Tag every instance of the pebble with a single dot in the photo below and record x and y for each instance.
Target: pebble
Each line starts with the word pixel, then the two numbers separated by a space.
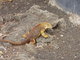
pixel 61 35
pixel 1 53
pixel 1 34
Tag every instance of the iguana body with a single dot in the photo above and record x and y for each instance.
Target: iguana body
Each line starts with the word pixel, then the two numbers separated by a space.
pixel 32 35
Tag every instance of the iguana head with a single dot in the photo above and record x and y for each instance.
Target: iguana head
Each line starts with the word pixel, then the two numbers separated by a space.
pixel 46 25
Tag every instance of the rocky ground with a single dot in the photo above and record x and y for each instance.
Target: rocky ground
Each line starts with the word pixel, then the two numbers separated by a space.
pixel 18 16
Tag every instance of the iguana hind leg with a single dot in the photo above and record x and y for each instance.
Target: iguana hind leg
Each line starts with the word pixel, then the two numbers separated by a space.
pixel 33 41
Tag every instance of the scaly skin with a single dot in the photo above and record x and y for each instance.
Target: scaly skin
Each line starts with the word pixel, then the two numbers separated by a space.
pixel 32 35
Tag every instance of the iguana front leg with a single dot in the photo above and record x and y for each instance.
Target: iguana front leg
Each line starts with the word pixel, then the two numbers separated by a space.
pixel 43 33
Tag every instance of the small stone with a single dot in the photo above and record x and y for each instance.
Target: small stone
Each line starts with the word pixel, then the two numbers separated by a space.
pixel 1 34
pixel 75 56
pixel 61 35
pixel 63 41
pixel 62 57
pixel 57 38
pixel 1 57
pixel 1 53
pixel 39 45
